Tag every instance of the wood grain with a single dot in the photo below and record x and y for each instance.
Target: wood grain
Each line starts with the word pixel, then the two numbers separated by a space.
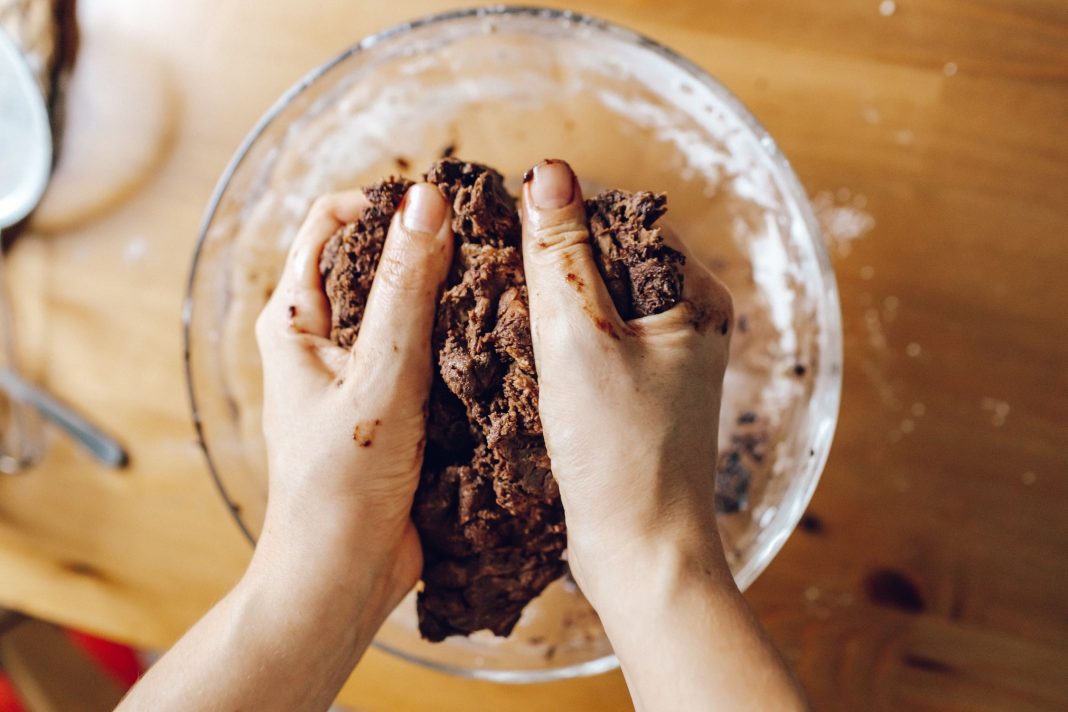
pixel 931 571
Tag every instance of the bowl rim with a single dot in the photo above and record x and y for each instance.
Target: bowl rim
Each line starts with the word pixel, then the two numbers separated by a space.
pixel 829 372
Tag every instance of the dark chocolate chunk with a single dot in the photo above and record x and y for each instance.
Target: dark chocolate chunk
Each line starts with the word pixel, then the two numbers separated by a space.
pixel 747 449
pixel 642 273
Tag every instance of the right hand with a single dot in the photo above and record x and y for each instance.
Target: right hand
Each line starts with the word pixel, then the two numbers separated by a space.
pixel 345 427
pixel 630 410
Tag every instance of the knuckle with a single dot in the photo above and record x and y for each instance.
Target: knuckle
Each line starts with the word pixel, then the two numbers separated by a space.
pixel 406 270
pixel 560 238
pixel 323 205
pixel 568 253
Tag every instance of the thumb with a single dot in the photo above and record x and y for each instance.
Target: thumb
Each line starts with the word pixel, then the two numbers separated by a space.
pixel 567 294
pixel 393 347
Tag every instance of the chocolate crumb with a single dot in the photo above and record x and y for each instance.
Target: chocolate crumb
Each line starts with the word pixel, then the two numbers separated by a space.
pixel 800 370
pixel 364 434
pixel 743 324
pixel 448 151
pixel 402 163
pixel 811 523
pixel 292 311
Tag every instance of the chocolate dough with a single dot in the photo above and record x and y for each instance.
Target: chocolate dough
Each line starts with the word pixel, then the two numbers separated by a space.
pixel 487 507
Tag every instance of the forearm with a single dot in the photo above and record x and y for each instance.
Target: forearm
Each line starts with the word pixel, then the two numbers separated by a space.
pixel 685 637
pixel 285 638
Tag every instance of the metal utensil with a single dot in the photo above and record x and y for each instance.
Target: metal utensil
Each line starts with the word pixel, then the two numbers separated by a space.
pixel 102 446
pixel 25 165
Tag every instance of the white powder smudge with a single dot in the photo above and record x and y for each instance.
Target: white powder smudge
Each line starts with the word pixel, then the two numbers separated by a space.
pixel 135 250
pixel 918 409
pixel 871 115
pixel 874 326
pixel 998 410
pixel 887 8
pixel 867 272
pixel 877 378
pixel 913 350
pixel 890 305
pixel 841 220
pixel 904 137
pixel 949 69
pixel 1028 478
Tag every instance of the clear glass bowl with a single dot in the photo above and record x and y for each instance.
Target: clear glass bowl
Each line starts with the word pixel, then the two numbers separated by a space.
pixel 509 86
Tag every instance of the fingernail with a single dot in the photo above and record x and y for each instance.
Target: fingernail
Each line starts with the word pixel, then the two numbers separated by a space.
pixel 424 209
pixel 552 184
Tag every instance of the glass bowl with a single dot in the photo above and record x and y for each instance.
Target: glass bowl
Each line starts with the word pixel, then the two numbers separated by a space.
pixel 510 86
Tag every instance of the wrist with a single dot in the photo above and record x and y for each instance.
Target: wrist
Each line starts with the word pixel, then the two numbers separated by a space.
pixel 650 567
pixel 332 557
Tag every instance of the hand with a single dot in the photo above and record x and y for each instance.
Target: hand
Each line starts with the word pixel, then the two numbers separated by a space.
pixel 344 444
pixel 345 429
pixel 630 410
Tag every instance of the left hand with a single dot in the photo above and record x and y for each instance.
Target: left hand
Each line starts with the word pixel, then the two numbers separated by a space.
pixel 345 429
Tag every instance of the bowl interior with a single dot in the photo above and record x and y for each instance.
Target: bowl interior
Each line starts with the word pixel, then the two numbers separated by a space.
pixel 509 87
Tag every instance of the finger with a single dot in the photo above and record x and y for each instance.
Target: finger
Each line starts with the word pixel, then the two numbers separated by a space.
pixel 393 347
pixel 291 355
pixel 301 303
pixel 566 289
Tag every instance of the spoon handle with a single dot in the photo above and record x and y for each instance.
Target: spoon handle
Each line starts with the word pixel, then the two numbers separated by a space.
pixel 105 448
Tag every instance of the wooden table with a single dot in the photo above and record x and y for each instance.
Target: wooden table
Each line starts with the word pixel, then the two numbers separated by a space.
pixel 932 569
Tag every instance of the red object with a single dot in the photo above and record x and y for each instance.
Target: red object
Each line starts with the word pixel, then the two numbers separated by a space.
pixel 117 660
pixel 9 701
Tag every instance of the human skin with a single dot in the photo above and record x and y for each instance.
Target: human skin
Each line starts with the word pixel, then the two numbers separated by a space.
pixel 345 431
pixel 338 549
pixel 642 539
